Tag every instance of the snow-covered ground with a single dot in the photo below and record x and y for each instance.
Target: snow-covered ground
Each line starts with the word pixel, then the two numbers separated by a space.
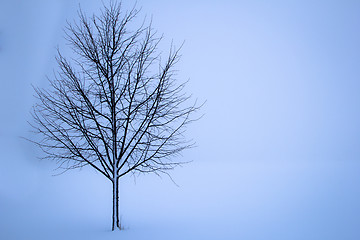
pixel 234 199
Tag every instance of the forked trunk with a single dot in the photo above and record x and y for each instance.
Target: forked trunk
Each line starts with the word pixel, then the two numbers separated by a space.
pixel 115 216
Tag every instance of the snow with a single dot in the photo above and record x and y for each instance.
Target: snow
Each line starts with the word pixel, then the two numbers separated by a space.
pixel 238 200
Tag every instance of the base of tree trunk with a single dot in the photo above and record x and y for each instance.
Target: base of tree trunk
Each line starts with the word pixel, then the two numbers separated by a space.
pixel 120 226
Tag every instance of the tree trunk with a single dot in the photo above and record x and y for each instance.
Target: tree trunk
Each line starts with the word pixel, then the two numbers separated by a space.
pixel 115 217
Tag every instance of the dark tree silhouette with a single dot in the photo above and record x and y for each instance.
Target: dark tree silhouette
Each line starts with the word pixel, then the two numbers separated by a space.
pixel 114 105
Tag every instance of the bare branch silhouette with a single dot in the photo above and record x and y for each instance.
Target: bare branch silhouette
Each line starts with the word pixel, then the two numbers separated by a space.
pixel 115 106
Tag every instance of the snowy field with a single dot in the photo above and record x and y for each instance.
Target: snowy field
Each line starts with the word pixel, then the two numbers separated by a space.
pixel 214 200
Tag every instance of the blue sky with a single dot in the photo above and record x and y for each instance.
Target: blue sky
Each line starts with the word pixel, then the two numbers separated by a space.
pixel 278 147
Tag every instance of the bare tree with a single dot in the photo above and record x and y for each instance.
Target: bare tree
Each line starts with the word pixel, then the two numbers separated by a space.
pixel 115 106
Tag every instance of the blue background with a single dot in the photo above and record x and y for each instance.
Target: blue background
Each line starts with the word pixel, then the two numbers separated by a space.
pixel 278 148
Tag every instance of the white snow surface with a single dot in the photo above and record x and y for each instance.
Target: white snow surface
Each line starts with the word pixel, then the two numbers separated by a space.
pixel 237 200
